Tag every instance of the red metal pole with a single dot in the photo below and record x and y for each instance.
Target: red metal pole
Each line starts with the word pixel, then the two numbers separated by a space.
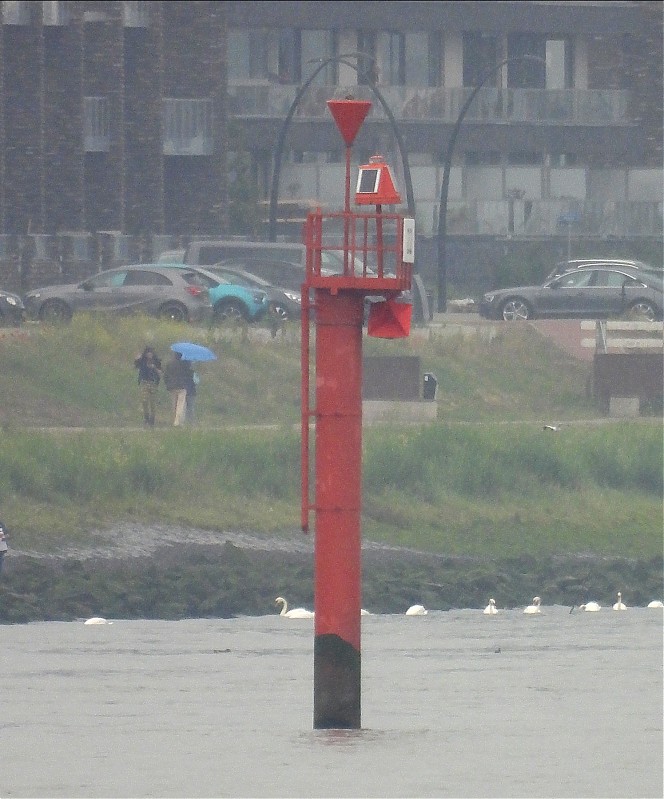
pixel 337 558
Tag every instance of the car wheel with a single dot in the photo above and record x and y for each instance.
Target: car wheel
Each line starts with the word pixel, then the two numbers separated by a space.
pixel 230 311
pixel 173 312
pixel 55 311
pixel 644 310
pixel 515 309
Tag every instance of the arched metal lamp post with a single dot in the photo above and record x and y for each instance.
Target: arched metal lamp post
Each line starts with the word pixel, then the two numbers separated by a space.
pixel 281 137
pixel 445 186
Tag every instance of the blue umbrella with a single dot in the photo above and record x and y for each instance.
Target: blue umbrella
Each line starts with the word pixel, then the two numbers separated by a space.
pixel 193 352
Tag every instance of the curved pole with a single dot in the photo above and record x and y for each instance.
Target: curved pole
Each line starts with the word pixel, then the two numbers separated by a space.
pixel 279 147
pixel 445 186
pixel 281 138
pixel 410 199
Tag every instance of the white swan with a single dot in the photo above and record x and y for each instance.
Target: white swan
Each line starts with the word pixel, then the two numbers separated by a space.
pixel 590 607
pixel 364 612
pixel 97 620
pixel 295 613
pixel 416 610
pixel 656 604
pixel 490 609
pixel 535 607
pixel 620 605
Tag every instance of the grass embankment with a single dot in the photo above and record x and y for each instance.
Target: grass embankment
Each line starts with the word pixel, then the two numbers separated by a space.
pixel 491 490
pixel 505 510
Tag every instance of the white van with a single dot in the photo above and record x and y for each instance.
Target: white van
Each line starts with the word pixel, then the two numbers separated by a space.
pixel 207 253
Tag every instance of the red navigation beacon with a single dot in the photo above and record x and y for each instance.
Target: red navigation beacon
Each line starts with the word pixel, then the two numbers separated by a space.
pixel 375 184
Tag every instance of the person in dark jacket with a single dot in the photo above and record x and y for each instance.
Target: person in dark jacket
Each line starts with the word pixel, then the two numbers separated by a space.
pixel 178 377
pixel 149 375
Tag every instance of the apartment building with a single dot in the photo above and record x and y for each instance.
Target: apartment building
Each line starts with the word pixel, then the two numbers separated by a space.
pixel 120 121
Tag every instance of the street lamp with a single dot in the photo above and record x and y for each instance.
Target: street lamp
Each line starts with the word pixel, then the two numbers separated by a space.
pixel 445 186
pixel 281 137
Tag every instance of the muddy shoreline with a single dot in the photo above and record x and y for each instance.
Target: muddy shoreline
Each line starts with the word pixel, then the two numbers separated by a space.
pixel 171 572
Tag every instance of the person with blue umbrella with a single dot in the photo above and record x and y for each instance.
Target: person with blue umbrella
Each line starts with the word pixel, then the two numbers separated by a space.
pixel 186 352
pixel 178 376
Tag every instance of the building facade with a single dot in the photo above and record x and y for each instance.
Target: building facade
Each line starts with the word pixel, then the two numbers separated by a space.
pixel 121 122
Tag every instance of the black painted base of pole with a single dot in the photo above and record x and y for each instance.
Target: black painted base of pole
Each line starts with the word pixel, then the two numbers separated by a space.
pixel 336 684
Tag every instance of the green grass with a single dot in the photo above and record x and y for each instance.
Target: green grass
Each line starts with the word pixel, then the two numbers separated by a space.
pixel 484 480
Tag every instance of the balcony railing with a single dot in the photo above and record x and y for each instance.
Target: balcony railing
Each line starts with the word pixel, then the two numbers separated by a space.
pixel 496 106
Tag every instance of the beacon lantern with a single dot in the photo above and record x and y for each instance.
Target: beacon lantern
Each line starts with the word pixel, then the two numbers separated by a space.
pixel 375 184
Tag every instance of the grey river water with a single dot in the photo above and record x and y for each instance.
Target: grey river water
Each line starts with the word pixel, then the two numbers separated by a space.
pixel 454 704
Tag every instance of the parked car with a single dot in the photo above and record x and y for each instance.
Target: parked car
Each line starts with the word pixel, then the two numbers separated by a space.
pixel 284 304
pixel 587 292
pixel 287 275
pixel 564 266
pixel 180 296
pixel 12 310
pixel 230 300
pixel 171 257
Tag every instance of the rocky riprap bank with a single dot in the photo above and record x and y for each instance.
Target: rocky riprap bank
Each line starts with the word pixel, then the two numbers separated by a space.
pixel 166 572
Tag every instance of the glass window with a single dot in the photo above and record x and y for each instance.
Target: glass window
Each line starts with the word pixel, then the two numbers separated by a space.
pixel 289 56
pixel 525 74
pixel 316 46
pixel 141 277
pixel 253 54
pixel 482 158
pixel 480 54
pixel 391 59
pixel 576 280
pixel 615 280
pixel 524 158
pixel 417 54
pixel 107 280
pixel 366 43
pixel 558 64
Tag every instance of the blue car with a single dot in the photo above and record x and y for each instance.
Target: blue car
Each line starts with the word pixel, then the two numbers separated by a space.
pixel 230 301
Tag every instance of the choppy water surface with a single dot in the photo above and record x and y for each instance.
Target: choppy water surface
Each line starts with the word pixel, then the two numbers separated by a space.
pixel 454 704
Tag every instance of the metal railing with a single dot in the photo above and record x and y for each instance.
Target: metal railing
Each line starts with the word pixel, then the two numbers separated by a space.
pixel 506 106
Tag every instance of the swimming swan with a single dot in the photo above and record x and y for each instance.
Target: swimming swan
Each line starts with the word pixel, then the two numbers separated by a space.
pixel 535 607
pixel 490 609
pixel 590 607
pixel 97 620
pixel 416 610
pixel 656 604
pixel 620 605
pixel 296 613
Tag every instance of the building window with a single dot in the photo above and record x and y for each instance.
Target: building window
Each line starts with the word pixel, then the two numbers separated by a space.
pixel 96 125
pixel 188 127
pixel 253 54
pixel 480 55
pixel 367 67
pixel 482 158
pixel 316 46
pixel 423 59
pixel 135 14
pixel 525 74
pixel 408 59
pixel 524 158
pixel 15 12
pixel 54 13
pixel 391 58
pixel 558 64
